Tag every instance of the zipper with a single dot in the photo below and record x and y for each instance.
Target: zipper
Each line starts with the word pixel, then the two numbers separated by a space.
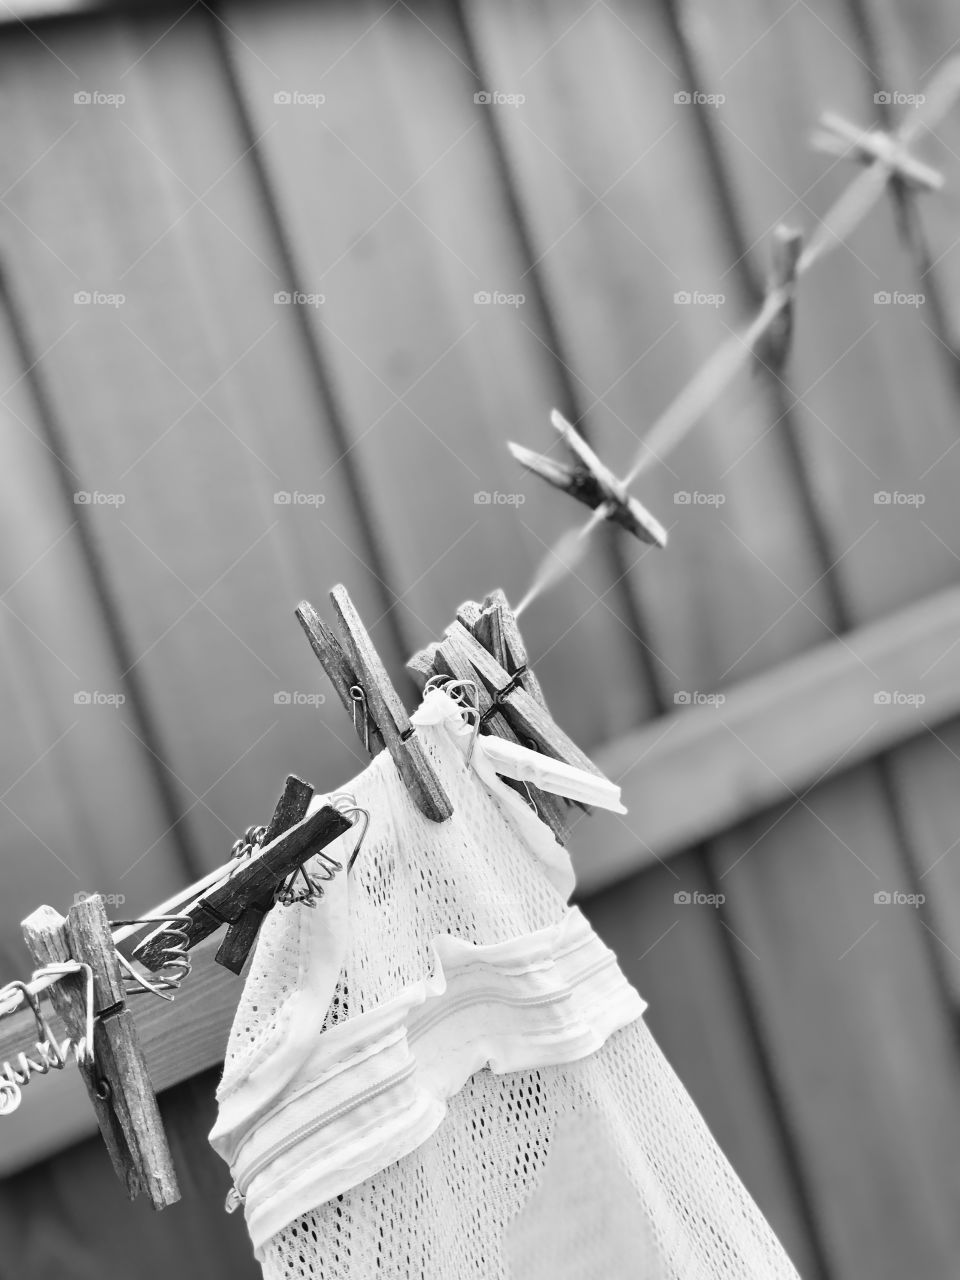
pixel 235 1197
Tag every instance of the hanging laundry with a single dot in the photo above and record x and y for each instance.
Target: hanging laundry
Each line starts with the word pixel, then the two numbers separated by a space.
pixel 441 1071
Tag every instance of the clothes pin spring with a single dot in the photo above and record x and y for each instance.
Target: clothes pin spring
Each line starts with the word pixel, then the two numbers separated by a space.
pixel 116 1078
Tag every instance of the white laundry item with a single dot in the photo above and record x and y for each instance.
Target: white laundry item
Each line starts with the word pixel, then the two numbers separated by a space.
pixel 440 1071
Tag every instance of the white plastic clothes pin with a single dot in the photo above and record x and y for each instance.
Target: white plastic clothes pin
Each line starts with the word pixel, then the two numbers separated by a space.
pixel 491 755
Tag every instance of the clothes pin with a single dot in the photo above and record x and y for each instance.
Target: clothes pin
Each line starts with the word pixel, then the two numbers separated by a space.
pixel 841 138
pixel 252 880
pixel 384 712
pixel 341 674
pixel 497 630
pixel 773 346
pixel 591 482
pixel 291 808
pixel 446 660
pixel 116 1078
pixel 528 718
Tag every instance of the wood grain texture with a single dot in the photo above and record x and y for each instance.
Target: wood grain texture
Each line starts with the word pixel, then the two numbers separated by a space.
pixel 340 673
pixel 240 937
pixel 907 50
pixel 118 1058
pixel 389 713
pixel 45 934
pixel 252 880
pixel 63 762
pixel 775 736
pixel 427 226
pixel 622 204
pixel 863 430
pixel 159 202
pixel 179 1040
pixel 447 659
pixel 623 188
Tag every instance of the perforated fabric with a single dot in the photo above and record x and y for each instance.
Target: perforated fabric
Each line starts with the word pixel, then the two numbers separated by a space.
pixel 440 1072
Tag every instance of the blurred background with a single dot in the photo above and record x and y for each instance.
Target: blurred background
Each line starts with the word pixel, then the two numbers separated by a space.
pixel 278 283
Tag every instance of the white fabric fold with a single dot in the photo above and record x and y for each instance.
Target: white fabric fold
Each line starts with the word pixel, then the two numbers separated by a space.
pixel 324 1113
pixel 511 760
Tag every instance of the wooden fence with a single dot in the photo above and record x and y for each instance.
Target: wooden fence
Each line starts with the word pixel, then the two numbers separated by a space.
pixel 278 282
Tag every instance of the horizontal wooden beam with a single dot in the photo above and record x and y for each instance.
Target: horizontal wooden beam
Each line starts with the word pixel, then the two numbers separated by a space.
pixel 710 764
pixel 685 777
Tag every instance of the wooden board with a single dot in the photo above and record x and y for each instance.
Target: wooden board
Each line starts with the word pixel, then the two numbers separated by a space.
pixel 908 53
pixel 777 735
pixel 615 181
pixel 397 210
pixel 194 399
pixel 80 801
pixel 865 1088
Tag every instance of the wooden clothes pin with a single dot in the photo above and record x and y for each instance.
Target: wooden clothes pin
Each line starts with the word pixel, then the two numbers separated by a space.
pixel 495 627
pixel 591 482
pixel 510 699
pixel 116 1077
pixel 360 678
pixel 290 809
pixel 841 138
pixel 254 880
pixel 773 345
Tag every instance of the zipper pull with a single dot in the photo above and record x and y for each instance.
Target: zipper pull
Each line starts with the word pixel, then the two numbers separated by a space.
pixel 234 1200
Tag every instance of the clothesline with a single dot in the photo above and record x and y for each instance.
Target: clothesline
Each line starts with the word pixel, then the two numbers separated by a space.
pixel 685 411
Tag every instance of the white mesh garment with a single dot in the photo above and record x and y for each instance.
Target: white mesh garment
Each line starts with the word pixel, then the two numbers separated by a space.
pixel 441 1072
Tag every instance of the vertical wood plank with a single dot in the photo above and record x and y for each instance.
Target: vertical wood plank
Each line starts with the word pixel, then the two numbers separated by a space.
pixel 192 399
pixel 620 193
pixel 873 414
pixel 63 762
pixel 395 205
pixel 908 54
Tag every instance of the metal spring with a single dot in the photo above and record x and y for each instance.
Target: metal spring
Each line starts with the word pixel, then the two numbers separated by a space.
pixel 176 965
pixel 346 802
pixel 49 1053
pixel 323 870
pixel 360 709
pixel 251 839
